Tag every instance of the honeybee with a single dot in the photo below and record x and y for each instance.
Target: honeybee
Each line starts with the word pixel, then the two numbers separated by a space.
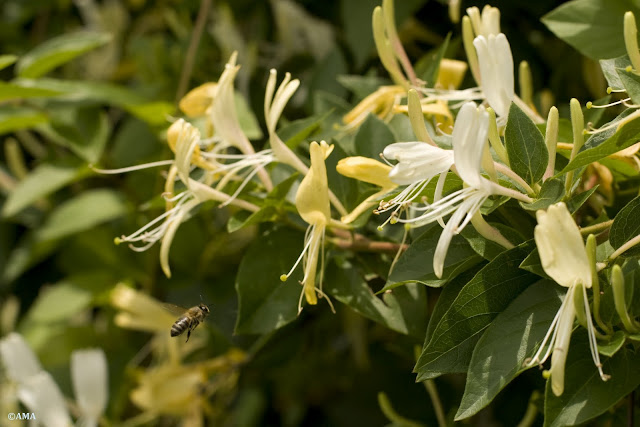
pixel 189 320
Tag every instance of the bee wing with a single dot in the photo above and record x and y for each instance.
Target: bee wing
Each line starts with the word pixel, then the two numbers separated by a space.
pixel 174 309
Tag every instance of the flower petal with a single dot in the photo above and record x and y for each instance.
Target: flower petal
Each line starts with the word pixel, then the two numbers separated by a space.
pixel 89 377
pixel 561 247
pixel 19 360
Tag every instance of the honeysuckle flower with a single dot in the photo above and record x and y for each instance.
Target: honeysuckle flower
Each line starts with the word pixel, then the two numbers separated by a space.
pixel 450 74
pixel 312 202
pixel 186 146
pixel 564 258
pixel 182 390
pixel 38 391
pixel 366 170
pixel 496 71
pixel 485 23
pixel 139 311
pixel 90 384
pixel 198 100
pixel 470 150
pixel 417 164
pixel 381 103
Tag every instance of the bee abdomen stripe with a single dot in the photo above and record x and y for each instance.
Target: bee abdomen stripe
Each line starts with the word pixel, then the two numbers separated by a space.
pixel 180 326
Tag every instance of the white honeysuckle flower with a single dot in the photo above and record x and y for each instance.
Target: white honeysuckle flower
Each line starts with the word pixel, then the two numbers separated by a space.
pixel 486 23
pixel 417 164
pixel 42 396
pixel 496 71
pixel 90 384
pixel 18 358
pixel 274 103
pixel 564 258
pixel 470 143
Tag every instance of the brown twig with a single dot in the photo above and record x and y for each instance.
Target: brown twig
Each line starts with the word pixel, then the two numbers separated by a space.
pixel 359 243
pixel 190 57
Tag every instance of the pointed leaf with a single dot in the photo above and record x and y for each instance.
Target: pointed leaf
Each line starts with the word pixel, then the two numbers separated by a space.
pixel 552 191
pixel 372 137
pixel 403 309
pixel 265 302
pixel 605 143
pixel 512 337
pixel 82 212
pixel 594 27
pixel 57 51
pixel 6 60
pixel 626 225
pixel 610 70
pixel 478 303
pixel 17 118
pixel 13 91
pixel 416 263
pixel 585 395
pixel 525 146
pixel 40 182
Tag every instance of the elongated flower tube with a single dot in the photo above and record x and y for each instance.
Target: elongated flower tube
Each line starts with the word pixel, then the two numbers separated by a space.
pixel 496 71
pixel 366 170
pixel 564 258
pixel 470 145
pixel 312 202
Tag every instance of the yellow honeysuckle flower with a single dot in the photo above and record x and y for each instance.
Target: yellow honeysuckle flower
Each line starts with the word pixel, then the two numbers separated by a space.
pixel 196 102
pixel 381 103
pixel 139 311
pixel 366 170
pixel 451 73
pixel 438 109
pixel 312 202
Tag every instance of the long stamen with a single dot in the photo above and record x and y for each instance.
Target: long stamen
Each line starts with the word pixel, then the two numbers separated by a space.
pixel 593 344
pixel 284 277
pixel 132 168
pixel 536 360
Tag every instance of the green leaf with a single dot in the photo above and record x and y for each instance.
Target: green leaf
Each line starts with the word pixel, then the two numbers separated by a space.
pixel 585 395
pixel 403 309
pixel 431 69
pixel 85 131
pixel 247 120
pixel 57 51
pixel 59 302
pixel 244 218
pixel 533 264
pixel 154 112
pixel 299 130
pixel 372 137
pixel 626 225
pixel 16 118
pixel 40 182
pixel 614 344
pixel 512 337
pixel 265 302
pixel 14 91
pixel 81 213
pixel 610 70
pixel 631 83
pixel 576 201
pixel 416 263
pixel 605 143
pixel 525 146
pixel 552 191
pixel 6 60
pixel 492 289
pixel 594 27
pixel 489 249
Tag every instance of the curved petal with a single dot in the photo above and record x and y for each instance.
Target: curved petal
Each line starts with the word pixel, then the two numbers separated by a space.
pixel 496 71
pixel 312 198
pixel 561 247
pixel 417 161
pixel 469 139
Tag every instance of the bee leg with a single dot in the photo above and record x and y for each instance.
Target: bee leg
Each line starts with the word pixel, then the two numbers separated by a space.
pixel 188 335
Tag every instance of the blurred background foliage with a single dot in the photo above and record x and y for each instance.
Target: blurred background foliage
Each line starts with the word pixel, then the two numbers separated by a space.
pixel 58 262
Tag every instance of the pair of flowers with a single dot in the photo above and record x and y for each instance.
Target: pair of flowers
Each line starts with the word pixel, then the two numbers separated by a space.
pixel 40 394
